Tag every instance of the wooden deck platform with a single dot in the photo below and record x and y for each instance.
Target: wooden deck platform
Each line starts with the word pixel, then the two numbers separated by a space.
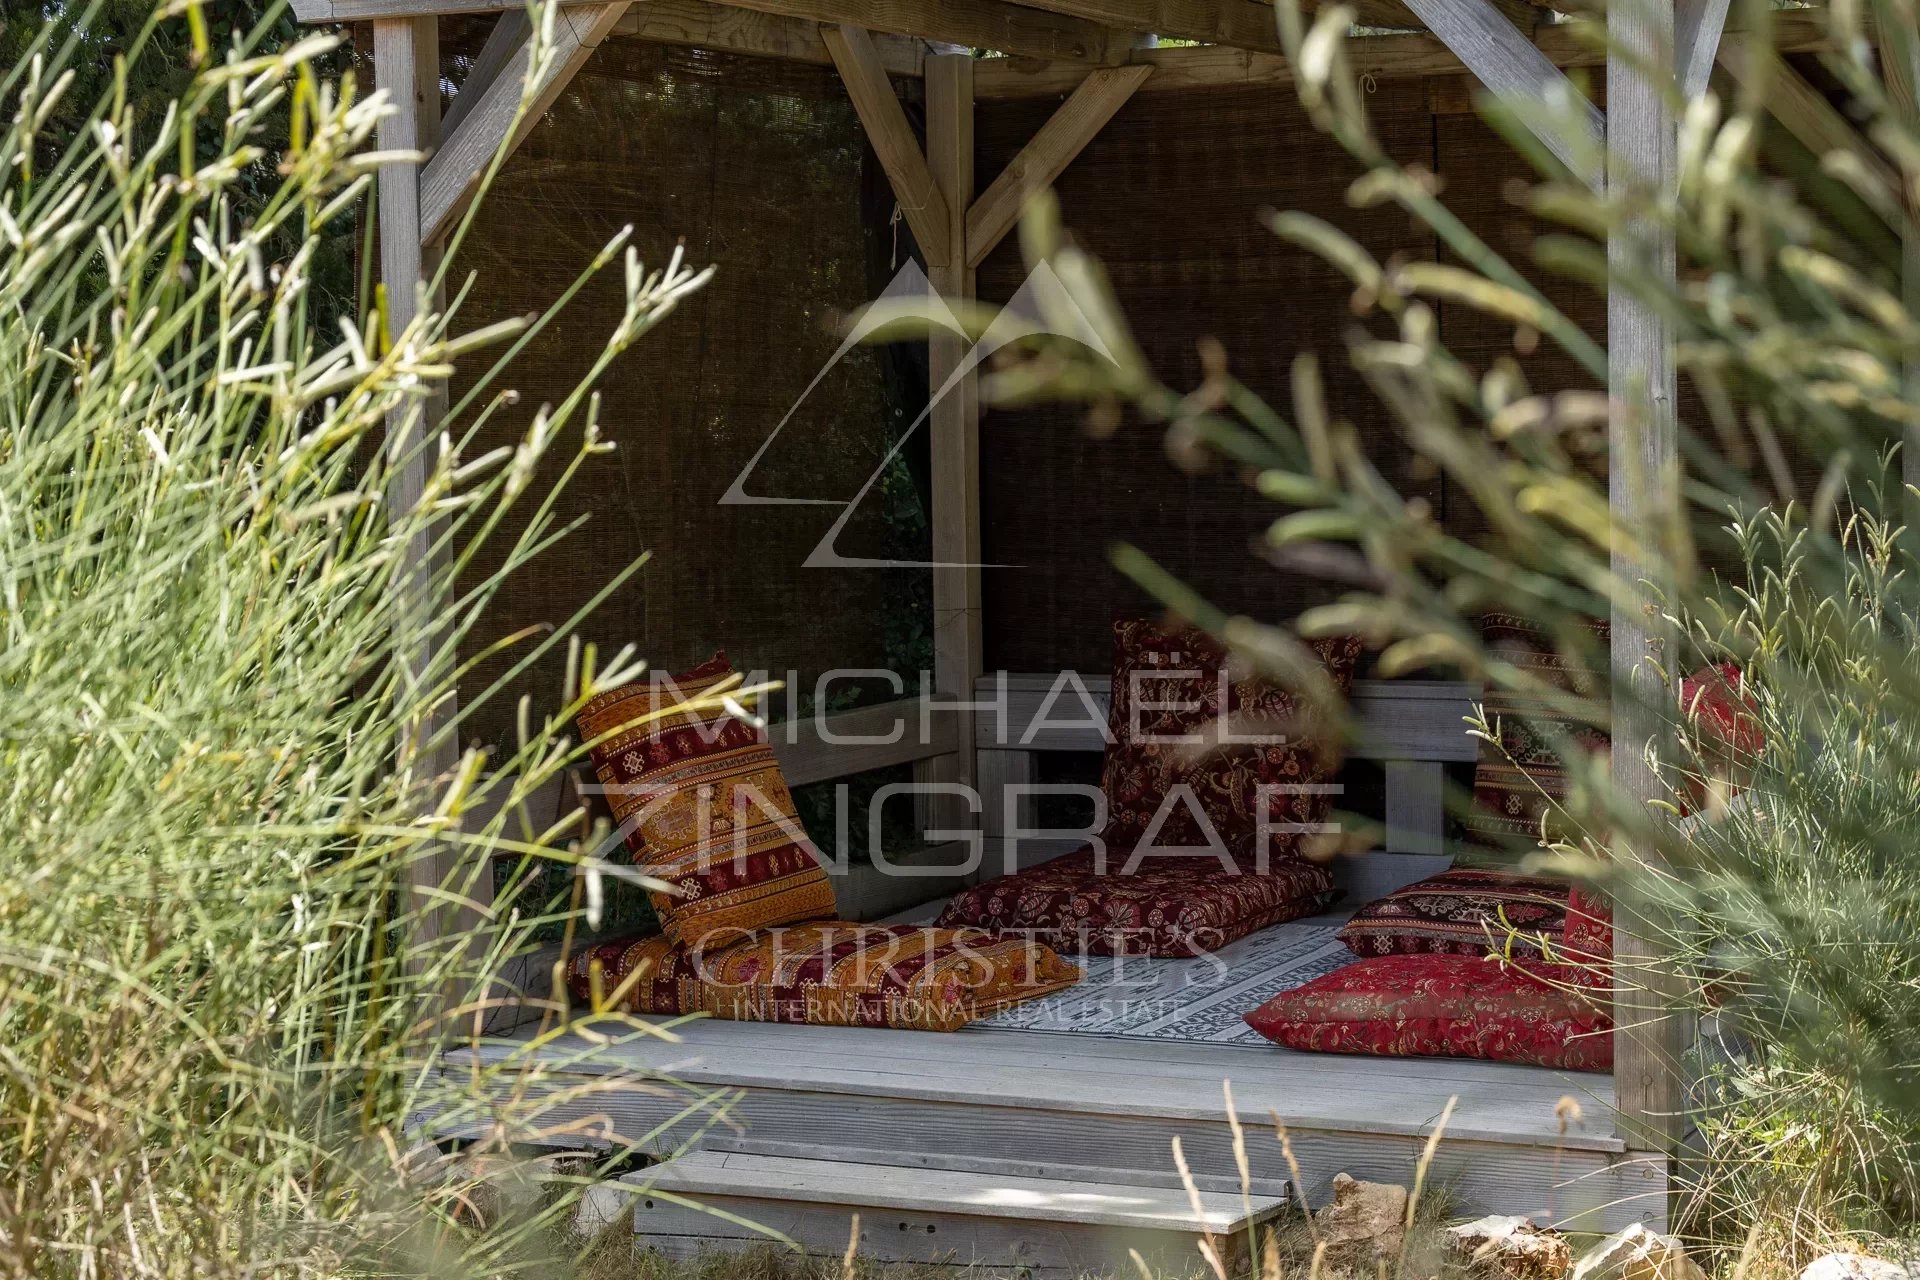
pixel 1031 1104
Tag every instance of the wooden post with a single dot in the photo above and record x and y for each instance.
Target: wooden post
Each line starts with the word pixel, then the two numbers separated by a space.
pixel 407 65
pixel 1900 71
pixel 1644 462
pixel 958 651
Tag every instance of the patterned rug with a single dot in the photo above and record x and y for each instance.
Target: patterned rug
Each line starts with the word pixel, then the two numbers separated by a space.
pixel 1199 1000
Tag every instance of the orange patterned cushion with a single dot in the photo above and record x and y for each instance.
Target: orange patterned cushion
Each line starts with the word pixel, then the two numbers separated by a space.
pixel 705 810
pixel 866 975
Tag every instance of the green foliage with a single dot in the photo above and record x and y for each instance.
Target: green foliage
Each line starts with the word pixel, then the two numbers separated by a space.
pixel 238 825
pixel 1787 902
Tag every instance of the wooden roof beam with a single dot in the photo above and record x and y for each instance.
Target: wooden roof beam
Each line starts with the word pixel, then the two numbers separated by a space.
pixel 976 24
pixel 451 177
pixel 893 139
pixel 1384 57
pixel 698 24
pixel 1047 155
pixel 1516 71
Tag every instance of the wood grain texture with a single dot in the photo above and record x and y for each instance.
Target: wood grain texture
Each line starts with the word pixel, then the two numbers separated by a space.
pixel 1097 99
pixel 1643 454
pixel 814 749
pixel 893 140
pixel 510 31
pixel 496 121
pixel 698 24
pixel 1516 71
pixel 926 1237
pixel 406 68
pixel 822 1179
pixel 1399 719
pixel 1899 48
pixel 1081 1122
pixel 1245 24
pixel 1697 25
pixel 954 427
pixel 1409 55
pixel 978 24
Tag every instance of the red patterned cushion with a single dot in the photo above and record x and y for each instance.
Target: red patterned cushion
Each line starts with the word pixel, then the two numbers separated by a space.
pixel 1177 685
pixel 1523 775
pixel 866 975
pixel 1466 911
pixel 1589 936
pixel 1168 906
pixel 706 809
pixel 667 981
pixel 1449 1007
pixel 1725 721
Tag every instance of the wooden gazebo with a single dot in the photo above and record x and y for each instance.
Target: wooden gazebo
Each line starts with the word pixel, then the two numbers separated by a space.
pixel 1039 1115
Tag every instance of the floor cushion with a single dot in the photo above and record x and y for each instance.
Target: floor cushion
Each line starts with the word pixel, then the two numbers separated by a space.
pixel 704 809
pixel 1173 696
pixel 836 973
pixel 827 973
pixel 1524 775
pixel 1450 1007
pixel 1168 907
pixel 1467 911
pixel 1589 936
pixel 667 981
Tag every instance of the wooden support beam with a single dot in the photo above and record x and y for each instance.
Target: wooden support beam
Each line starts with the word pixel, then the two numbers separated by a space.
pixel 1697 26
pixel 406 64
pixel 1643 474
pixel 510 31
pixel 1409 56
pixel 1516 71
pixel 496 120
pixel 702 25
pixel 1244 24
pixel 1047 155
pixel 1803 110
pixel 975 24
pixel 1900 71
pixel 958 647
pixel 893 139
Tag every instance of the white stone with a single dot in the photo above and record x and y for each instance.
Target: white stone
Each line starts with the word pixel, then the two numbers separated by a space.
pixel 1512 1247
pixel 1638 1254
pixel 601 1205
pixel 1855 1266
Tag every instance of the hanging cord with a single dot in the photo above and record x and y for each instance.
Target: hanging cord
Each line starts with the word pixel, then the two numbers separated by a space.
pixel 893 223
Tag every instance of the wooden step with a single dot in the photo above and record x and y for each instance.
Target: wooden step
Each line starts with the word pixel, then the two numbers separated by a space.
pixel 1037 1227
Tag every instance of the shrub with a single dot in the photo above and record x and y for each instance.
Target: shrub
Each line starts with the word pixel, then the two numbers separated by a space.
pixel 238 821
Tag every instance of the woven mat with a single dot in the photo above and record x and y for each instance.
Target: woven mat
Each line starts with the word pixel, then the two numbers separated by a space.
pixel 1200 1000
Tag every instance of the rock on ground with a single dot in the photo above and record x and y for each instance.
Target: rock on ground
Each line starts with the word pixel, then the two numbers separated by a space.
pixel 1510 1247
pixel 1365 1222
pixel 1856 1266
pixel 1638 1254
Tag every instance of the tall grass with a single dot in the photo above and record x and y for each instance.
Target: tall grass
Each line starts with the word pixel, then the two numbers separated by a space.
pixel 225 672
pixel 1780 884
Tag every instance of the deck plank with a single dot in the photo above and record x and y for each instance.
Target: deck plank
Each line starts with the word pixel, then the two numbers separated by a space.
pixel 701 1174
pixel 1495 1102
